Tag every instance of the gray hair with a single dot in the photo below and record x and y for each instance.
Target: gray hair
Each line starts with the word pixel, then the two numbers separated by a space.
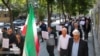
pixel 64 29
pixel 76 32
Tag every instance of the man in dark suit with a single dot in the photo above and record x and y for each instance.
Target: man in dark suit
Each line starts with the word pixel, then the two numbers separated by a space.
pixel 4 32
pixel 19 43
pixel 11 37
pixel 43 27
pixel 51 41
pixel 87 28
pixel 76 26
pixel 76 46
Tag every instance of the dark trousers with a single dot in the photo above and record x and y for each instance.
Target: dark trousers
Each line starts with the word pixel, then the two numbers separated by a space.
pixel 8 54
pixel 41 37
pixel 5 50
pixel 13 55
pixel 63 52
pixel 50 50
pixel 56 42
pixel 86 35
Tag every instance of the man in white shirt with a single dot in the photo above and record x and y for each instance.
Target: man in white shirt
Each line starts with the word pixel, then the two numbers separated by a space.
pixel 63 43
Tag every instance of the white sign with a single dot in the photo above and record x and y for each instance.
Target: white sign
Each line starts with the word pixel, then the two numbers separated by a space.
pixel 58 27
pixel 5 43
pixel 45 35
pixel 51 36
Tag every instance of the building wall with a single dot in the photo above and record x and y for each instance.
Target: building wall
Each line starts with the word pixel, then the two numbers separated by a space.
pixel 96 19
pixel 4 16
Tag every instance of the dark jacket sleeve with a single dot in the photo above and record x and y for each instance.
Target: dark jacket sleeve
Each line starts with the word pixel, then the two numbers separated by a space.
pixel 80 33
pixel 88 29
pixel 55 35
pixel 70 46
pixel 71 33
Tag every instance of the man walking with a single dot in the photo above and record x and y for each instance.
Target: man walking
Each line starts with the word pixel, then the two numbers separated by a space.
pixel 51 41
pixel 76 46
pixel 63 43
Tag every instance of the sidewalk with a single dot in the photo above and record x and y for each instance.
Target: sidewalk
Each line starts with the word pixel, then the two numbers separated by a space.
pixel 43 51
pixel 91 45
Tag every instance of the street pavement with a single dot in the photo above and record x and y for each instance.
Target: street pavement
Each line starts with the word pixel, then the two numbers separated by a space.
pixel 91 45
pixel 96 46
pixel 43 51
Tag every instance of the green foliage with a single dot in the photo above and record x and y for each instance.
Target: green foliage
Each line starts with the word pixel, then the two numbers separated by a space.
pixel 15 13
pixel 19 5
pixel 74 7
pixel 41 14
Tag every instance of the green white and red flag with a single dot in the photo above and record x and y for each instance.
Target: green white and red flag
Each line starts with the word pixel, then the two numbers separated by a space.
pixel 31 45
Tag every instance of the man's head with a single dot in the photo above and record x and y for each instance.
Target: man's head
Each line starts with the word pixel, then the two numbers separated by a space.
pixel 49 29
pixel 18 35
pixel 87 21
pixel 4 29
pixel 64 31
pixel 10 31
pixel 76 34
pixel 75 25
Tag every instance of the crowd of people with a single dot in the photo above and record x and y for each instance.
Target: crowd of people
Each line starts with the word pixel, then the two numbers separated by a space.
pixel 71 40
pixel 14 39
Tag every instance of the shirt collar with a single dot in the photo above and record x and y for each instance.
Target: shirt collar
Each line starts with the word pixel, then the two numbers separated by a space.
pixel 76 42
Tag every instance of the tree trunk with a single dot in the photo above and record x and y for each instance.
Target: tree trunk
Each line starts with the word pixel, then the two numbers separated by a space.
pixel 10 12
pixel 63 10
pixel 49 19
pixel 51 12
pixel 69 16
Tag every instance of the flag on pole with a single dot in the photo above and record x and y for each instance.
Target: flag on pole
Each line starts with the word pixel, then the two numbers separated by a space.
pixel 31 45
pixel 24 27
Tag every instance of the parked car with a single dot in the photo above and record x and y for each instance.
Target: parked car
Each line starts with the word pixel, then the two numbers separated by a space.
pixel 1 24
pixel 7 25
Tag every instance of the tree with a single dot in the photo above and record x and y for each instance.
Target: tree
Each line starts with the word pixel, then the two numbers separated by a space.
pixel 61 6
pixel 14 4
pixel 49 9
pixel 41 14
pixel 42 9
pixel 74 7
pixel 7 3
pixel 48 6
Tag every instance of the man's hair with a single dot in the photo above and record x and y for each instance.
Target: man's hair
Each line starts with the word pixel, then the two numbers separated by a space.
pixel 9 28
pixel 18 34
pixel 50 27
pixel 76 32
pixel 5 28
pixel 64 29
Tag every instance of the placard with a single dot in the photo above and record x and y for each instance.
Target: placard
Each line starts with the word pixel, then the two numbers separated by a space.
pixel 45 35
pixel 5 43
pixel 58 28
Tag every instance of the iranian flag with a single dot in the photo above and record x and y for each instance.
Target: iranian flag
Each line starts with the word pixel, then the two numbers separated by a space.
pixel 31 45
